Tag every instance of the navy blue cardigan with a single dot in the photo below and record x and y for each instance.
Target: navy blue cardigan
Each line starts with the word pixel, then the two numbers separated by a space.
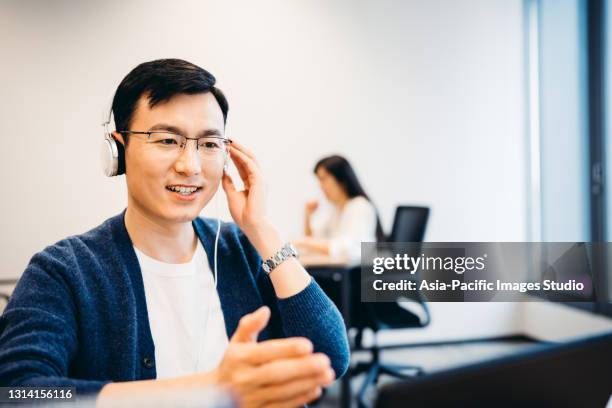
pixel 78 315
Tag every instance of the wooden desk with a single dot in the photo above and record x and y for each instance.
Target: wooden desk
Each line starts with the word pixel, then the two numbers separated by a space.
pixel 326 261
pixel 11 281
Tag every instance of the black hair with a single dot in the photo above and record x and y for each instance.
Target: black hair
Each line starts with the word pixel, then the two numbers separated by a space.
pixel 344 174
pixel 160 80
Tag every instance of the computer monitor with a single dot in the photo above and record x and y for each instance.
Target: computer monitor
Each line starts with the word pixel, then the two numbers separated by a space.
pixel 572 374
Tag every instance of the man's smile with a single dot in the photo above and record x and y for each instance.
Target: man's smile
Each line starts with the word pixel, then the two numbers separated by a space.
pixel 184 190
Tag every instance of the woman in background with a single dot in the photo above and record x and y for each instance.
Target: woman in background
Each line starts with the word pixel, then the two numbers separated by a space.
pixel 353 220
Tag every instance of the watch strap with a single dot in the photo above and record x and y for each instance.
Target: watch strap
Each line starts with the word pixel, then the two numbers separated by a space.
pixel 279 257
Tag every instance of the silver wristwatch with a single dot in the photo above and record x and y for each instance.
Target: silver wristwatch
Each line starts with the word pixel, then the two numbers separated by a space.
pixel 279 257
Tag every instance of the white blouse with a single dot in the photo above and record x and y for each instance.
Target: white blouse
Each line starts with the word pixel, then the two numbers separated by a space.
pixel 347 228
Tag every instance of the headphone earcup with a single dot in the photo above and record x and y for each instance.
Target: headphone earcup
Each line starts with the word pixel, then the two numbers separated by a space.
pixel 113 157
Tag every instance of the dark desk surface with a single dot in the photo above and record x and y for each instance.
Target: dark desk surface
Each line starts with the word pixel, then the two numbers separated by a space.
pixel 337 272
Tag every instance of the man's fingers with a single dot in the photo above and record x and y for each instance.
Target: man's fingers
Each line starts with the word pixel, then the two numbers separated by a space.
pixel 249 171
pixel 270 350
pixel 250 325
pixel 285 370
pixel 298 401
pixel 228 184
pixel 289 391
pixel 240 166
pixel 245 165
pixel 243 149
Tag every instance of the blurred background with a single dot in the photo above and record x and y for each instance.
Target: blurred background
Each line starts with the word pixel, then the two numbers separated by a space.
pixel 492 113
pixel 427 99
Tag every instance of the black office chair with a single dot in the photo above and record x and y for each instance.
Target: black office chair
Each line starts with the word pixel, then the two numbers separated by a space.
pixel 408 226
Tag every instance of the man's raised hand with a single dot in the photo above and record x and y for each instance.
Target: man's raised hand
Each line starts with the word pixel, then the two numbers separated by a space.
pixel 272 373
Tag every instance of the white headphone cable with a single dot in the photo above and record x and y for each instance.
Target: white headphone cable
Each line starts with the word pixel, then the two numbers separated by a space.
pixel 216 237
pixel 208 312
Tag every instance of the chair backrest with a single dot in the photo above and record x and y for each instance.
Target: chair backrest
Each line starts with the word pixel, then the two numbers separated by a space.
pixel 409 224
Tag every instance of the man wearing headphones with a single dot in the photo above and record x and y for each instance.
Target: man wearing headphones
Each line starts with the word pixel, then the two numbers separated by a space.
pixel 133 306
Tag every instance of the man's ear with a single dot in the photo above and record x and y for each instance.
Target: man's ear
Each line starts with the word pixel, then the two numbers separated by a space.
pixel 119 137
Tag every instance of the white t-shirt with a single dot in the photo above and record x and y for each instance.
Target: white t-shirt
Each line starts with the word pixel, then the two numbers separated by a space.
pixel 185 314
pixel 345 229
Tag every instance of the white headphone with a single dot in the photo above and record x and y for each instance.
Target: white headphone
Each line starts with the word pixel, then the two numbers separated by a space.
pixel 112 152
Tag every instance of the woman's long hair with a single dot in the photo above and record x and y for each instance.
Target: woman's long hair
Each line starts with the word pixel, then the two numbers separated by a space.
pixel 344 174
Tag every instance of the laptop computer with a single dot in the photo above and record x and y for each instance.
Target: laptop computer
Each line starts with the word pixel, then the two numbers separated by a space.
pixel 572 374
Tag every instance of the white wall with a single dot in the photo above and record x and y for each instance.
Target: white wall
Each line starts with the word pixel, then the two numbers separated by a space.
pixel 425 98
pixel 549 321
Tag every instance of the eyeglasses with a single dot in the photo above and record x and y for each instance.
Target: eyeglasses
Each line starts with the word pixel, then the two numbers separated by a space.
pixel 171 144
